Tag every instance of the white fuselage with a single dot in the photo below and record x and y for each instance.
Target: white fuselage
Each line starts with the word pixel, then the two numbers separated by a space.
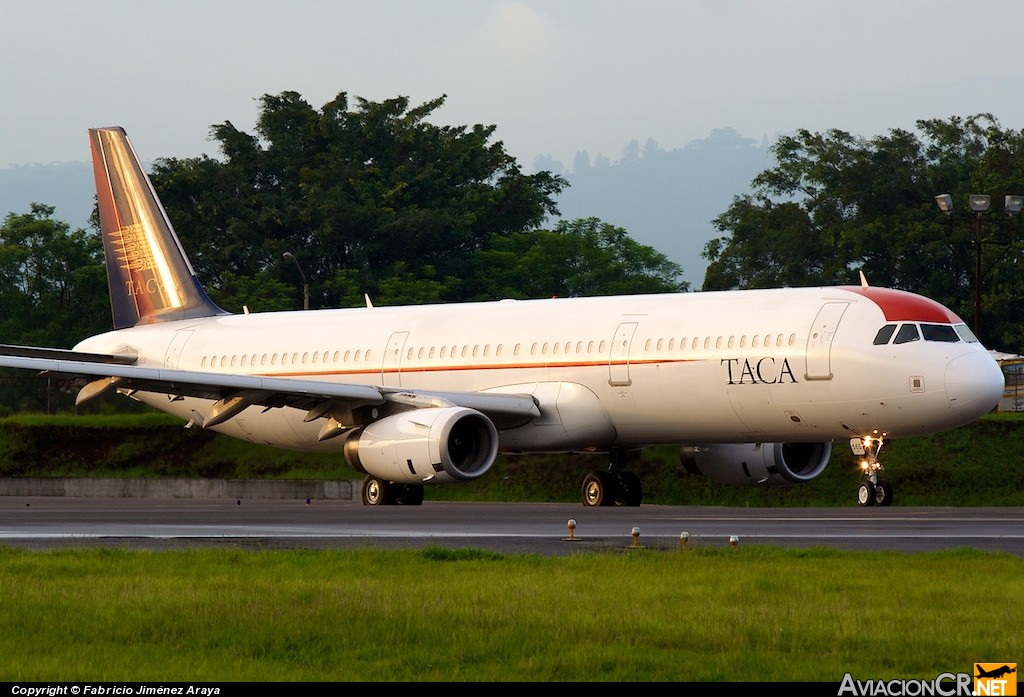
pixel 625 371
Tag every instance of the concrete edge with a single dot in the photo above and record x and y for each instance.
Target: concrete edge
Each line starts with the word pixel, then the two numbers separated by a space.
pixel 179 488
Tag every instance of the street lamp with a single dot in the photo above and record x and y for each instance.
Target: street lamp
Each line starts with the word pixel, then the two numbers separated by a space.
pixel 980 204
pixel 305 284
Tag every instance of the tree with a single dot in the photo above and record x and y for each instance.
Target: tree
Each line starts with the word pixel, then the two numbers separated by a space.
pixel 372 192
pixel 836 204
pixel 52 281
pixel 578 258
pixel 52 293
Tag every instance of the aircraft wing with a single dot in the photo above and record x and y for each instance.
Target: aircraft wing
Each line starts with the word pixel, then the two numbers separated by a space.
pixel 98 374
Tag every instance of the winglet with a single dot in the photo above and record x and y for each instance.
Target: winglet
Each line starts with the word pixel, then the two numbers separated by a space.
pixel 149 276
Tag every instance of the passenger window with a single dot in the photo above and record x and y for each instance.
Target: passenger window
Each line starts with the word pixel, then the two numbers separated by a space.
pixel 939 332
pixel 884 334
pixel 907 333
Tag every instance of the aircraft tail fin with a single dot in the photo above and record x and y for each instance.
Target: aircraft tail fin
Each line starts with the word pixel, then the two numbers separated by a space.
pixel 149 276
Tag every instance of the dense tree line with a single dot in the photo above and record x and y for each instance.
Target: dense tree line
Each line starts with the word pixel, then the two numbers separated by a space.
pixel 371 198
pixel 835 204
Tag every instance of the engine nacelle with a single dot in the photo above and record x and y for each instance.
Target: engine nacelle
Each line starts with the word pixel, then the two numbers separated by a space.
pixel 757 464
pixel 425 446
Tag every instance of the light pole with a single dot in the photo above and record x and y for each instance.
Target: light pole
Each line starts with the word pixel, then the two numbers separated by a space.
pixel 980 205
pixel 305 284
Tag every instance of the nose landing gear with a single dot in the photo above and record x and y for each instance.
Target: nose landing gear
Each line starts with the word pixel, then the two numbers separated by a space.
pixel 871 491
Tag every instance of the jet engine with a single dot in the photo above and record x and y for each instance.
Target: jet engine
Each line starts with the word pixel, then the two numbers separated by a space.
pixel 757 464
pixel 436 445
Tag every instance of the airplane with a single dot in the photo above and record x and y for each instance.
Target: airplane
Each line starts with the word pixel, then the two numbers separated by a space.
pixel 754 386
pixel 995 672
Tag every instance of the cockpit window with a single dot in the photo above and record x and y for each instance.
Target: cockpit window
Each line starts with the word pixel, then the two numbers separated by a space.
pixel 907 332
pixel 965 333
pixel 884 334
pixel 939 332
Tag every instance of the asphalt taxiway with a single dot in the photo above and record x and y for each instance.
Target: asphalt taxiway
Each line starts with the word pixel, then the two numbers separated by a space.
pixel 46 522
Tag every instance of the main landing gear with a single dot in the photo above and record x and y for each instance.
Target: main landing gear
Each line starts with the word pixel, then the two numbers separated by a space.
pixel 381 492
pixel 871 491
pixel 616 487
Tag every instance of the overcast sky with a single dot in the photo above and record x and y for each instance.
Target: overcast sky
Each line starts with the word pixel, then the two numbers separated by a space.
pixel 555 77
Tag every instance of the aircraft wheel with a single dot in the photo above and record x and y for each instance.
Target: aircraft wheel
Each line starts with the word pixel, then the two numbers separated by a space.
pixel 629 490
pixel 866 493
pixel 598 489
pixel 883 494
pixel 375 492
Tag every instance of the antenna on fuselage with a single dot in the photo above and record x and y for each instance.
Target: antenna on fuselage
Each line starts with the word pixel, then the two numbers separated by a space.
pixel 366 296
pixel 863 279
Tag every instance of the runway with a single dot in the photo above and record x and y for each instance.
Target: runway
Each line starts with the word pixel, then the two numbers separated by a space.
pixel 531 528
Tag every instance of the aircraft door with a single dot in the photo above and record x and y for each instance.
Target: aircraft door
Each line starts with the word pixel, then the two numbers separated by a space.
pixel 173 354
pixel 618 357
pixel 391 369
pixel 819 341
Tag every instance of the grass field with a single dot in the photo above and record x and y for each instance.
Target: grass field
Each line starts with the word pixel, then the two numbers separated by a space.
pixel 754 614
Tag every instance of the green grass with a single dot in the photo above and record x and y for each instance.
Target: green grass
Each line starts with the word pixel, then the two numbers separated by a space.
pixel 750 614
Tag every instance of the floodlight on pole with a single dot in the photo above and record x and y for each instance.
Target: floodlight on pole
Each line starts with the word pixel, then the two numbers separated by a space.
pixel 305 284
pixel 980 205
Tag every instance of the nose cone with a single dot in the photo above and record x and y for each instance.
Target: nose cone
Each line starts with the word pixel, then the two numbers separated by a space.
pixel 974 384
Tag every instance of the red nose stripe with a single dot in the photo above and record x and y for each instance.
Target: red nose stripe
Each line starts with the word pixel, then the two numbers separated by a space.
pixel 900 306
